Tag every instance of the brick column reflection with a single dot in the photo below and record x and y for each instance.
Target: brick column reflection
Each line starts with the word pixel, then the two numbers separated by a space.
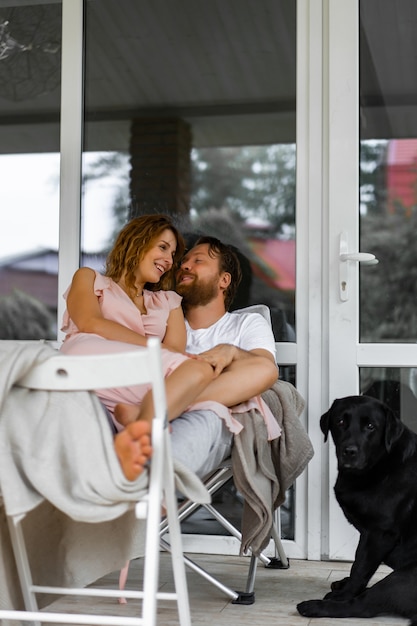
pixel 160 176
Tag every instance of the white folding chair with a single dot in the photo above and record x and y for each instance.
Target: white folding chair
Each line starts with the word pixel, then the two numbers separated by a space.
pixel 66 373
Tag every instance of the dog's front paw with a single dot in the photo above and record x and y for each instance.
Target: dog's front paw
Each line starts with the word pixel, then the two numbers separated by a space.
pixel 337 595
pixel 338 585
pixel 324 608
pixel 310 608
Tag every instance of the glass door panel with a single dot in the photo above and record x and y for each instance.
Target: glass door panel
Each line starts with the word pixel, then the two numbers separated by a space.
pixel 388 132
pixel 190 110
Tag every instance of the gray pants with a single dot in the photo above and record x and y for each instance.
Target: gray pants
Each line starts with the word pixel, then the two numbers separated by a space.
pixel 201 441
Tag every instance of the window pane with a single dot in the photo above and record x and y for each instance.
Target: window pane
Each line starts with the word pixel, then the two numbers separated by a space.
pixel 396 386
pixel 246 196
pixel 388 180
pixel 30 76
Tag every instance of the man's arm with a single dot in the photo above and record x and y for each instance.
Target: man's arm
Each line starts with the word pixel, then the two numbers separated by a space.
pixel 222 355
pixel 244 377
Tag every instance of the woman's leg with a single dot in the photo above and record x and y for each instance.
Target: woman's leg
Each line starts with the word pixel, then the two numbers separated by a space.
pixel 240 381
pixel 182 386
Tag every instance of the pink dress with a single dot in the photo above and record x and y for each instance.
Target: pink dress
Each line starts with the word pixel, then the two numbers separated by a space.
pixel 117 306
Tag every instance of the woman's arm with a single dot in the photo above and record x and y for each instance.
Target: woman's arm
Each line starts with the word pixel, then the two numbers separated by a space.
pixel 84 309
pixel 176 336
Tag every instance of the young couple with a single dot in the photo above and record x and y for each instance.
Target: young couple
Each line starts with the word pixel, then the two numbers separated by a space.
pixel 212 359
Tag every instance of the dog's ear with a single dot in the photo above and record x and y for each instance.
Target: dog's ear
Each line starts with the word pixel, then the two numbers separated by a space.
pixel 325 423
pixel 394 428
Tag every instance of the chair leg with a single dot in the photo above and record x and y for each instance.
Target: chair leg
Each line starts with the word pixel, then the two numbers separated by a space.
pixel 250 583
pixel 188 507
pixel 151 564
pixel 231 529
pixel 218 479
pixel 280 549
pixel 233 595
pixel 22 565
pixel 177 556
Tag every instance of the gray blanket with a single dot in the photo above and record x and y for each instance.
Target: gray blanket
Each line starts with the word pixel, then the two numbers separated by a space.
pixel 57 463
pixel 263 470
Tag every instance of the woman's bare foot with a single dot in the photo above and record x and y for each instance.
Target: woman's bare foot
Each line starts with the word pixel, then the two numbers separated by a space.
pixel 126 413
pixel 133 448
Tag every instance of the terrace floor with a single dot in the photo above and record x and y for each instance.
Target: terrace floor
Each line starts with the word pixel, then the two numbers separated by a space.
pixel 277 593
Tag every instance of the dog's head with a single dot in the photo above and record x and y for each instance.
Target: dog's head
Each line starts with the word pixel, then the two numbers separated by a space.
pixel 363 429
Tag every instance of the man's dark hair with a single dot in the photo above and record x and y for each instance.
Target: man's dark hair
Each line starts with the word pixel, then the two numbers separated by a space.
pixel 228 262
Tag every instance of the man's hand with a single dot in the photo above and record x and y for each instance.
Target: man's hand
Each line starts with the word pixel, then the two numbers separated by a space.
pixel 219 357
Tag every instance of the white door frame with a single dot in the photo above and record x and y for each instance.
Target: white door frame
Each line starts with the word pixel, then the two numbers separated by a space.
pixel 71 129
pixel 311 369
pixel 343 214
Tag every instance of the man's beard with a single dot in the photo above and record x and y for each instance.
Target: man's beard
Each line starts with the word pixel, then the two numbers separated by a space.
pixel 198 293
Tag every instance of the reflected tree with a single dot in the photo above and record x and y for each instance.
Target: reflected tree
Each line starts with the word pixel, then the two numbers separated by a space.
pixel 252 182
pixel 389 289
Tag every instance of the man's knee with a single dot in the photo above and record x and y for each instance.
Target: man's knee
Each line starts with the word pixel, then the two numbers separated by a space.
pixel 200 440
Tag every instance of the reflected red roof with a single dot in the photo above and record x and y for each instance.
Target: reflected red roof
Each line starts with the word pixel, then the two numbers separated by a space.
pixel 277 262
pixel 402 173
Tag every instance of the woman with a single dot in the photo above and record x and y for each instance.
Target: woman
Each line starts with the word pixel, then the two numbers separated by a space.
pixel 131 302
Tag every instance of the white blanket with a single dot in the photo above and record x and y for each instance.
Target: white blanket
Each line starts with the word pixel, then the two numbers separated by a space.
pixel 57 462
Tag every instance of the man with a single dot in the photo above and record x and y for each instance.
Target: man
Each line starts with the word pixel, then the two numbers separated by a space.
pixel 241 344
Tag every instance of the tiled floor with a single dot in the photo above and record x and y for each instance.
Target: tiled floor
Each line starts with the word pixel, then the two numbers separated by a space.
pixel 277 593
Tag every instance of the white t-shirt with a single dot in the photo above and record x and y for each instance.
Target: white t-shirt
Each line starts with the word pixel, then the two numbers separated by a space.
pixel 248 331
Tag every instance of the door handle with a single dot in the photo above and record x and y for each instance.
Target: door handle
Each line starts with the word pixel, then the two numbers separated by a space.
pixel 345 260
pixel 359 257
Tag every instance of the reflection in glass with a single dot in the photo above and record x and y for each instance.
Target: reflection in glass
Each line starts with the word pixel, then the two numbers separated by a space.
pixel 202 134
pixel 396 387
pixel 388 171
pixel 30 76
pixel 250 192
pixel 246 197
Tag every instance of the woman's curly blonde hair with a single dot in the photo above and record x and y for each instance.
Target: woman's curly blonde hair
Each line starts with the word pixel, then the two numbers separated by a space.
pixel 133 242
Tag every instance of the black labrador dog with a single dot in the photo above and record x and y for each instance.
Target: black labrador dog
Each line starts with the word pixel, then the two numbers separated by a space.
pixel 376 488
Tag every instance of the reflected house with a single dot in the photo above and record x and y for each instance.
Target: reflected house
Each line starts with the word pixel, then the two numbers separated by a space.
pixel 276 265
pixel 273 265
pixel 36 274
pixel 402 175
